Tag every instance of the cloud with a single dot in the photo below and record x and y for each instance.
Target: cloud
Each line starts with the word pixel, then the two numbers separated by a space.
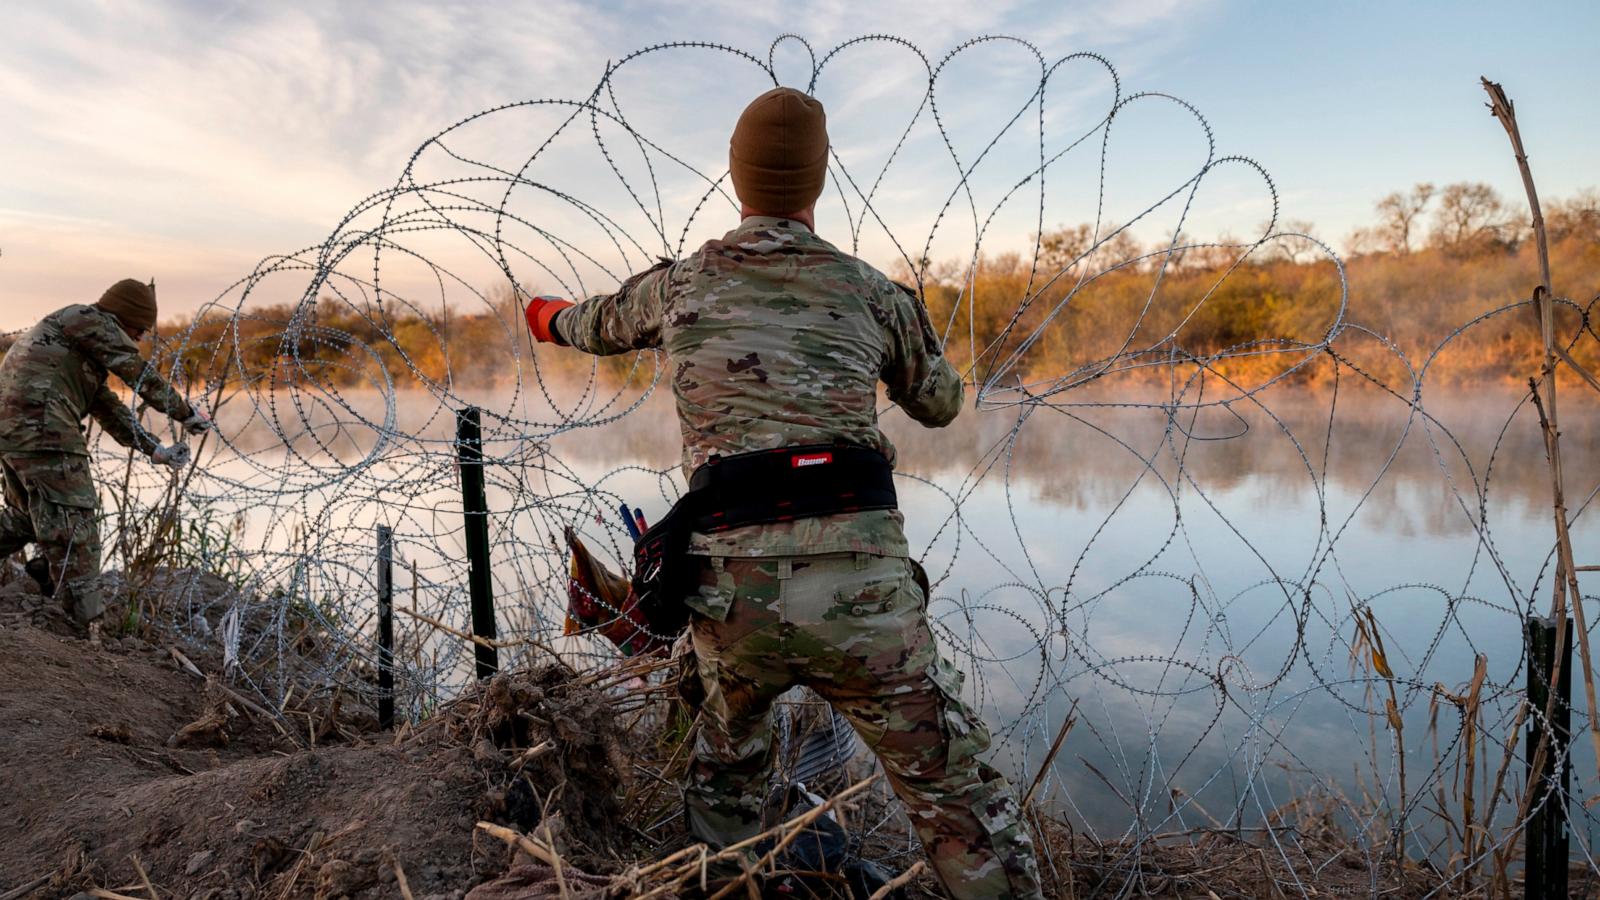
pixel 188 137
pixel 263 109
pixel 190 133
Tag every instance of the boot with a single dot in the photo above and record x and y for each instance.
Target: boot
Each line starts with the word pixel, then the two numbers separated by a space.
pixel 38 569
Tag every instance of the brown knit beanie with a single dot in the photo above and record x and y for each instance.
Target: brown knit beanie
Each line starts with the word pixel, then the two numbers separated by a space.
pixel 778 157
pixel 132 302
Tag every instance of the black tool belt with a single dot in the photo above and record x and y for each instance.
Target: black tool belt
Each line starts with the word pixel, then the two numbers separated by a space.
pixel 751 489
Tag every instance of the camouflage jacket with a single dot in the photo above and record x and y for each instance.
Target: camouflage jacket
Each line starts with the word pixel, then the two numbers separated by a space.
pixel 776 338
pixel 55 375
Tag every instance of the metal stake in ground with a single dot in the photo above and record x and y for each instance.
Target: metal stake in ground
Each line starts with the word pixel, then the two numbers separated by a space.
pixel 1548 839
pixel 475 507
pixel 385 627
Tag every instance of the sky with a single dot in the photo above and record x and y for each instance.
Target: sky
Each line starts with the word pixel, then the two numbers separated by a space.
pixel 187 141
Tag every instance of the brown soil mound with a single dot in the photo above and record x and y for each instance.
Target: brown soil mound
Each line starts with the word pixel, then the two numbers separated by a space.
pixel 118 764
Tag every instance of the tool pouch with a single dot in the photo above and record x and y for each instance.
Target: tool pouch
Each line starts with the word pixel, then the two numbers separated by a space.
pixel 662 571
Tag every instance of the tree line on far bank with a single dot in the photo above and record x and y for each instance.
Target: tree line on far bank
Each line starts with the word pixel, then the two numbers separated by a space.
pixel 1433 260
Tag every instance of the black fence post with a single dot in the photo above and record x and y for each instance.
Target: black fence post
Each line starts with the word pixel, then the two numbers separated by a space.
pixel 1547 837
pixel 475 506
pixel 385 627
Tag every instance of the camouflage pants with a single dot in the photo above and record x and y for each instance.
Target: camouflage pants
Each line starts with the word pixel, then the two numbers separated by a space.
pixel 51 502
pixel 852 627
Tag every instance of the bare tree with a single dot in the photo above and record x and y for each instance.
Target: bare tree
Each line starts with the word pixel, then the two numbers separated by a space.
pixel 947 272
pixel 1471 219
pixel 1361 241
pixel 1117 249
pixel 1399 217
pixel 1062 249
pixel 1285 246
pixel 1577 217
pixel 1059 250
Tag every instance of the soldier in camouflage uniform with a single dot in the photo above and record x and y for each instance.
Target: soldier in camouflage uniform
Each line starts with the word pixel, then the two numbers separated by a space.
pixel 51 379
pixel 775 338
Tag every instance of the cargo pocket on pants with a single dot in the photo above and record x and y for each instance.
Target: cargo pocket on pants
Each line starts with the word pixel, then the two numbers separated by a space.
pixel 66 482
pixel 1000 814
pixel 964 733
pixel 994 804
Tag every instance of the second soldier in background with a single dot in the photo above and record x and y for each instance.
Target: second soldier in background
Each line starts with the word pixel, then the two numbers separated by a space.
pixel 51 380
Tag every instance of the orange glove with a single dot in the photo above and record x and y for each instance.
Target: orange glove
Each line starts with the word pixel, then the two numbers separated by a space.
pixel 541 312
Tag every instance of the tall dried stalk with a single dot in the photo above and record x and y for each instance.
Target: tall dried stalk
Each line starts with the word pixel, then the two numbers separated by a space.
pixel 1368 637
pixel 1566 580
pixel 1470 705
pixel 1469 718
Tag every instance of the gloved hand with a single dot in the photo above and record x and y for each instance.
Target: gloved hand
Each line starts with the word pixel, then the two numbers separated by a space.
pixel 541 312
pixel 177 456
pixel 196 423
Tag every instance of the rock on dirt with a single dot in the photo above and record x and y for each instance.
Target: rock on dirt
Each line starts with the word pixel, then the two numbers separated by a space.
pixel 197 862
